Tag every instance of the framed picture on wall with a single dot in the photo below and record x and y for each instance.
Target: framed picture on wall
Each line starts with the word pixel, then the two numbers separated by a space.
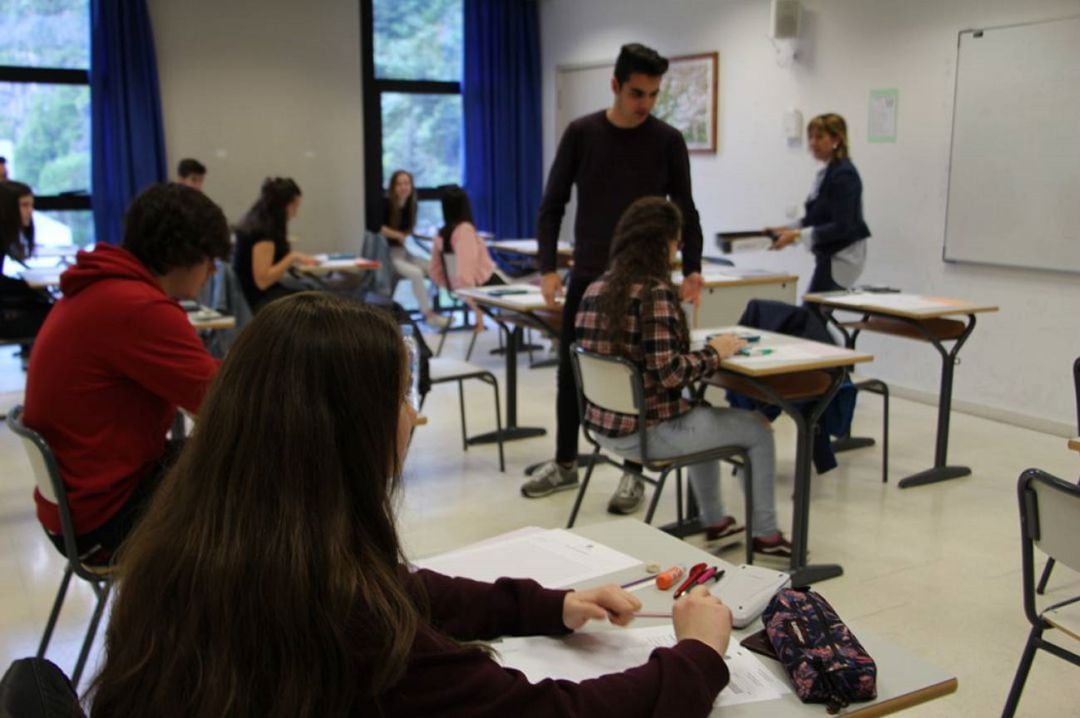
pixel 687 99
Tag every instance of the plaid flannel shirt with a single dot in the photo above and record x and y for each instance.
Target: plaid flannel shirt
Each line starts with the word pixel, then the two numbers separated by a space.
pixel 658 344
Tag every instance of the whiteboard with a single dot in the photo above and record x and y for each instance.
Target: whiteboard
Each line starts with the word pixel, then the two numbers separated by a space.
pixel 1014 176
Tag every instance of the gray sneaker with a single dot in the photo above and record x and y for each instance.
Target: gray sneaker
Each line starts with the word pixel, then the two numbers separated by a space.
pixel 548 479
pixel 628 496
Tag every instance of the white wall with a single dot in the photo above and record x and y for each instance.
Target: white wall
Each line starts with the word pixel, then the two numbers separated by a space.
pixel 257 88
pixel 1017 364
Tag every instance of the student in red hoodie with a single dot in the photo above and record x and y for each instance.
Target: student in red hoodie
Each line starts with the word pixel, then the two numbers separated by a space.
pixel 115 359
pixel 268 578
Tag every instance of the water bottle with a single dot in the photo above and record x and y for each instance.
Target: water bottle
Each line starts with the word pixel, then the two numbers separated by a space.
pixel 413 350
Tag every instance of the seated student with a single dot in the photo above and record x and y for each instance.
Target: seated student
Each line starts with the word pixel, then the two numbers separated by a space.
pixel 473 266
pixel 117 356
pixel 22 308
pixel 398 220
pixel 633 311
pixel 268 577
pixel 191 172
pixel 263 253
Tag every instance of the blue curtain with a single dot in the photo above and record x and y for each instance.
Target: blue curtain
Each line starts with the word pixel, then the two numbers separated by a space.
pixel 128 137
pixel 501 97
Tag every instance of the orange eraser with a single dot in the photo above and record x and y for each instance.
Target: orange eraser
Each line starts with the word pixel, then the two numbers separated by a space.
pixel 668 578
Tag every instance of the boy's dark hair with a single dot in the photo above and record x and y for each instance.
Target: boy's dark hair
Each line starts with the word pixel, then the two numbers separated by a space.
pixel 635 57
pixel 170 226
pixel 189 166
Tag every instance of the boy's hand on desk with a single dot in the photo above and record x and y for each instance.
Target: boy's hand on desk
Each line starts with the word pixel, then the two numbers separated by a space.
pixel 726 344
pixel 702 616
pixel 604 602
pixel 785 237
pixel 550 287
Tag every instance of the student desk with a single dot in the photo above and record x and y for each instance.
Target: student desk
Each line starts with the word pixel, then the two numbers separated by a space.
pixel 564 253
pixel 210 319
pixel 511 312
pixel 798 372
pixel 904 680
pixel 916 317
pixel 43 277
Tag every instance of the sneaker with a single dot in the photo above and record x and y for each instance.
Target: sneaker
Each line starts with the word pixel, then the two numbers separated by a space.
pixel 628 496
pixel 776 545
pixel 728 526
pixel 548 479
pixel 437 321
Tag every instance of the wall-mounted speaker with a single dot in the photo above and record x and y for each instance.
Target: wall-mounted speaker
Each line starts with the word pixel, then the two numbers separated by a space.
pixel 785 19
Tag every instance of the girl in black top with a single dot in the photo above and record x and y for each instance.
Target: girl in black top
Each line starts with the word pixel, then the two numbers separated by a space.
pixel 22 308
pixel 263 254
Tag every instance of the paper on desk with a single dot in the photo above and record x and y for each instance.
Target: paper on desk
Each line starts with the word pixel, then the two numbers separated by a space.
pixel 584 655
pixel 554 558
pixel 905 302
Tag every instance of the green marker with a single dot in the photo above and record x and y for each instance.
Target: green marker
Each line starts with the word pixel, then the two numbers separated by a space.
pixel 747 351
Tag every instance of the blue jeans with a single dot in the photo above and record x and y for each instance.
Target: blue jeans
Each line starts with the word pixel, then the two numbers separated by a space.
pixel 709 427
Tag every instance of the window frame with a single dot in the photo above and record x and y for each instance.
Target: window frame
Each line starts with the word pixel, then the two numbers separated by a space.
pixel 373 89
pixel 65 201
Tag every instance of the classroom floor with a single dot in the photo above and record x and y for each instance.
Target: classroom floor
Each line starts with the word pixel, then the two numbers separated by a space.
pixel 935 568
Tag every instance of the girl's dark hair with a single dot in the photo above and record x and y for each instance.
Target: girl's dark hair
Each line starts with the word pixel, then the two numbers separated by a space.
pixel 639 255
pixel 27 233
pixel 409 210
pixel 171 225
pixel 456 209
pixel 267 217
pixel 265 577
pixel 11 223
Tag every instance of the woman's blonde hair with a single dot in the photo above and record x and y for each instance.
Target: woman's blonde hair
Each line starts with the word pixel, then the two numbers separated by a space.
pixel 834 126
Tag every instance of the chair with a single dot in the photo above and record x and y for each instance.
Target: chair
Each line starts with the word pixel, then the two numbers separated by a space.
pixel 51 487
pixel 36 688
pixel 614 384
pixel 449 267
pixel 444 370
pixel 1041 588
pixel 1050 520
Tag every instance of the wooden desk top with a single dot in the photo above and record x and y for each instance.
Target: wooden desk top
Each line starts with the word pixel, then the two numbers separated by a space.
pixel 908 306
pixel 1074 443
pixel 787 354
pixel 514 297
pixel 722 276
pixel 529 247
pixel 327 265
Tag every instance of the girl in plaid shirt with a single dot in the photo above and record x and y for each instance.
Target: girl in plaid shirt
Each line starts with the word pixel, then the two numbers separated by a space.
pixel 633 311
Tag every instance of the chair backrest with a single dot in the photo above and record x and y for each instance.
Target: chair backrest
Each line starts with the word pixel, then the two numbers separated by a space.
pixel 608 382
pixel 1050 516
pixel 1076 384
pixel 42 461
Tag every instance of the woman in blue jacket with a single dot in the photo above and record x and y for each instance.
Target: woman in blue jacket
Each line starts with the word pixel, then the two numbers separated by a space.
pixel 833 224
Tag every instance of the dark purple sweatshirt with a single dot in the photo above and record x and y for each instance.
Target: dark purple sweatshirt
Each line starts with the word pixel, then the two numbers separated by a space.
pixel 612 167
pixel 445 678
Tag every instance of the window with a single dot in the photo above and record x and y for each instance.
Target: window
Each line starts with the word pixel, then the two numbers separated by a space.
pixel 45 115
pixel 412 99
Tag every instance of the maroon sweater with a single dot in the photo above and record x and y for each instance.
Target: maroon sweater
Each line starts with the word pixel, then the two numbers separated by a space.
pixel 612 167
pixel 445 678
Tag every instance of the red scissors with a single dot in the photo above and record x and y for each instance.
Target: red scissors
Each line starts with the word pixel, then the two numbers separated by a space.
pixel 691 578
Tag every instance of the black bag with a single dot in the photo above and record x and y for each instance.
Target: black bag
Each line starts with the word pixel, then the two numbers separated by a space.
pixel 824 660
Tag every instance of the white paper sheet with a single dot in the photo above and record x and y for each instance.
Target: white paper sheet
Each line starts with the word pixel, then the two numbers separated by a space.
pixel 555 558
pixel 905 302
pixel 586 654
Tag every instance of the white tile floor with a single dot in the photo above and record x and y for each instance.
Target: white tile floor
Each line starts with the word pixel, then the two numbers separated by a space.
pixel 935 568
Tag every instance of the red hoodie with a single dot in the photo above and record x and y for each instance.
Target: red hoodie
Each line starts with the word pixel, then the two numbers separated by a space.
pixel 109 368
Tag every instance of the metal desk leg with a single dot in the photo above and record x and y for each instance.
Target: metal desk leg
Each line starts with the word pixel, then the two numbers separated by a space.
pixel 941 471
pixel 511 431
